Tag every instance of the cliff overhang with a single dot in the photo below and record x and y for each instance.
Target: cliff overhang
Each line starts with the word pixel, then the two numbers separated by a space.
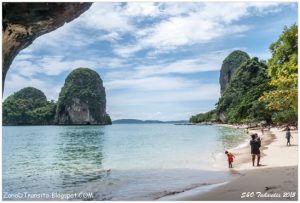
pixel 22 23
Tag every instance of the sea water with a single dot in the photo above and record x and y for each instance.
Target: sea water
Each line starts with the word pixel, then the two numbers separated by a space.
pixel 117 162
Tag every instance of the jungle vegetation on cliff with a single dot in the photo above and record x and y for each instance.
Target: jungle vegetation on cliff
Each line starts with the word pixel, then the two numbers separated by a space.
pixel 86 87
pixel 262 91
pixel 240 101
pixel 28 106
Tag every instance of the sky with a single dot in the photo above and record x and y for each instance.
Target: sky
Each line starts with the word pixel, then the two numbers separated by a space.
pixel 157 61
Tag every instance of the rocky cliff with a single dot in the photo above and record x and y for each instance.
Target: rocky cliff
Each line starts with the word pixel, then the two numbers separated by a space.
pixel 82 99
pixel 240 102
pixel 229 66
pixel 24 22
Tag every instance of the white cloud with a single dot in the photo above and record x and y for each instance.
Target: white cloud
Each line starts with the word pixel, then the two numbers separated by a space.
pixel 134 9
pixel 103 21
pixel 179 8
pixel 56 65
pixel 179 24
pixel 201 92
pixel 150 84
pixel 29 65
pixel 179 31
pixel 62 40
pixel 263 8
pixel 112 37
pixel 200 24
pixel 182 66
pixel 201 63
pixel 127 50
pixel 106 16
pixel 25 68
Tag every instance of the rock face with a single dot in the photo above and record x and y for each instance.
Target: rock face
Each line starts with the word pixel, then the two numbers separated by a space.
pixel 24 22
pixel 229 66
pixel 82 99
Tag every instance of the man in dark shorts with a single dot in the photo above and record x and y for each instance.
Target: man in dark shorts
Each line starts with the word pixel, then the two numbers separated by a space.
pixel 255 145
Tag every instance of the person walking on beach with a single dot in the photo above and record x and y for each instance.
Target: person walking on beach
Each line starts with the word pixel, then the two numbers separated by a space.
pixel 230 157
pixel 288 137
pixel 255 145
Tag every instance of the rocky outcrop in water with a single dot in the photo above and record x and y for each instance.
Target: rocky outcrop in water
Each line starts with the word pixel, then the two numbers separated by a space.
pixel 22 23
pixel 28 106
pixel 82 99
pixel 229 66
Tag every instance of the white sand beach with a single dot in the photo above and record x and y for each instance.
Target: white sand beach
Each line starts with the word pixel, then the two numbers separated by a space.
pixel 276 179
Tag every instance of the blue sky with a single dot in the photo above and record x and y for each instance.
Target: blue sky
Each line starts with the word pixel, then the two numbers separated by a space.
pixel 157 60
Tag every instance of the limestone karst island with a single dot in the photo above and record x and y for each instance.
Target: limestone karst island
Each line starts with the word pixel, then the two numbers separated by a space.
pixel 82 101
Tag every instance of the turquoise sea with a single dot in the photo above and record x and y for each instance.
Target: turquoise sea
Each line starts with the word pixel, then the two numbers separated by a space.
pixel 117 162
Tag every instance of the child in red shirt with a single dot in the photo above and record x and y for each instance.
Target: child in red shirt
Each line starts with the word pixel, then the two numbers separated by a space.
pixel 230 157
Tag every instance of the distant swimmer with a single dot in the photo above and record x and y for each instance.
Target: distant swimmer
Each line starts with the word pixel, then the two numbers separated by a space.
pixel 230 157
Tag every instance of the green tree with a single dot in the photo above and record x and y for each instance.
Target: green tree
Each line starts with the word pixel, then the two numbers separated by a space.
pixel 209 116
pixel 283 70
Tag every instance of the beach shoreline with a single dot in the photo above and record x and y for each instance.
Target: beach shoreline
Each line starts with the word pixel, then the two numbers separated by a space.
pixel 276 179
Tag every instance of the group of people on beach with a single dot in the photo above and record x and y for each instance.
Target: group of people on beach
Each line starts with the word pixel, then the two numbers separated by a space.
pixel 255 144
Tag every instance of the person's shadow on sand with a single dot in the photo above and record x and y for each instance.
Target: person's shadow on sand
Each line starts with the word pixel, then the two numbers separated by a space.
pixel 235 172
pixel 292 145
pixel 262 165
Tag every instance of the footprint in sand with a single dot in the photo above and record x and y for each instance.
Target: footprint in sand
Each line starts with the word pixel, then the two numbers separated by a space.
pixel 270 187
pixel 232 190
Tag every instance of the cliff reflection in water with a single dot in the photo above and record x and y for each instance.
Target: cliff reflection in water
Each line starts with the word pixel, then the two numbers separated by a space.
pixel 80 155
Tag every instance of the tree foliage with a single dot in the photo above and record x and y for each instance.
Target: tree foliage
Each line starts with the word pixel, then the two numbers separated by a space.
pixel 283 70
pixel 210 116
pixel 28 106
